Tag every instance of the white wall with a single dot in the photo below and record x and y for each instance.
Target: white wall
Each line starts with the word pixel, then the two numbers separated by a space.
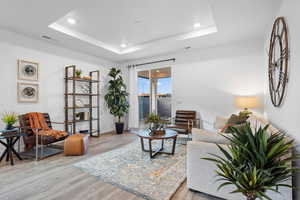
pixel 208 80
pixel 287 117
pixel 52 60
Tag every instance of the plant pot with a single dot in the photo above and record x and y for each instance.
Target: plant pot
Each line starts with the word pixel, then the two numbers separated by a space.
pixel 77 77
pixel 119 127
pixel 9 127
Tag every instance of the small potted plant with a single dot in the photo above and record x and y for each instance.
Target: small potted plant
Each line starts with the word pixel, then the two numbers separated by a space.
pixel 156 125
pixel 9 118
pixel 78 73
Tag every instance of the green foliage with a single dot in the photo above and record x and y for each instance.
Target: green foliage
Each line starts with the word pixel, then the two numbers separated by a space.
pixel 116 96
pixel 9 118
pixel 155 122
pixel 255 161
pixel 153 118
pixel 78 72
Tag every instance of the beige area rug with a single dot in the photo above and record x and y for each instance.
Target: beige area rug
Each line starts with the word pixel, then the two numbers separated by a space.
pixel 132 170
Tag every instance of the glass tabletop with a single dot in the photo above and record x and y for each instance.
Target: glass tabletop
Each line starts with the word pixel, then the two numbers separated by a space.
pixel 11 133
pixel 146 133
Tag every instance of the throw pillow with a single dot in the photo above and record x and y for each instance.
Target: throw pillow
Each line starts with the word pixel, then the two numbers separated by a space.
pixel 226 127
pixel 228 130
pixel 237 119
pixel 234 120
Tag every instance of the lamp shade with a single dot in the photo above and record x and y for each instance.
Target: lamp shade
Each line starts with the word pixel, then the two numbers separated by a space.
pixel 246 102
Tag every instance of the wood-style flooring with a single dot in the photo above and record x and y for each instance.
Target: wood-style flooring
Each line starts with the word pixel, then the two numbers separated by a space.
pixel 55 178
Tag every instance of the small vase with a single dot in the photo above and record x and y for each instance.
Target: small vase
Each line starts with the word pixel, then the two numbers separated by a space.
pixel 9 127
pixel 152 128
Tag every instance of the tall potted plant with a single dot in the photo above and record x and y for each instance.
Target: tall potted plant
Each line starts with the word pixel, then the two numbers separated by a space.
pixel 116 98
pixel 255 161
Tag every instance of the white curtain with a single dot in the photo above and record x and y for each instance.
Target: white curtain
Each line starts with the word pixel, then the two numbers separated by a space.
pixel 133 121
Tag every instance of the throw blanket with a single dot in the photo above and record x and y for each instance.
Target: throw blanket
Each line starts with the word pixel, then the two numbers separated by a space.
pixel 39 126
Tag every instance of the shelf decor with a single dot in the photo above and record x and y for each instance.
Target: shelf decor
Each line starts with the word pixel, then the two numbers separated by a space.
pixel 76 107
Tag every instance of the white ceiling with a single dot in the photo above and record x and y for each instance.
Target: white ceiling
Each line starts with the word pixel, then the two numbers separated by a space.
pixel 147 27
pixel 137 24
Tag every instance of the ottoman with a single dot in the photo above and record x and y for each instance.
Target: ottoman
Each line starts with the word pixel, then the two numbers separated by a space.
pixel 76 145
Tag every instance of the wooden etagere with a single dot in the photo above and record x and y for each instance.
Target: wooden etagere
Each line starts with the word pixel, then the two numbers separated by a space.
pixel 71 95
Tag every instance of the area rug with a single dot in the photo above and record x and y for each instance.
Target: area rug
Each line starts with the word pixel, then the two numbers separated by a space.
pixel 132 170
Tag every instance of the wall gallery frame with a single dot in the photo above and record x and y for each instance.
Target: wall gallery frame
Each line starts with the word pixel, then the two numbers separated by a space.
pixel 28 70
pixel 28 93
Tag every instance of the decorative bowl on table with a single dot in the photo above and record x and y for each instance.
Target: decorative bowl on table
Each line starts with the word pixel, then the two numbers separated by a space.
pixel 159 132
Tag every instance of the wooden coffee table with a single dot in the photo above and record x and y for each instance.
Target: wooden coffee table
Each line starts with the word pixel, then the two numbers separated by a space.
pixel 145 134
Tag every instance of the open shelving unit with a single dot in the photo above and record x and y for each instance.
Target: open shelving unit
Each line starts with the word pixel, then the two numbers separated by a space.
pixel 71 95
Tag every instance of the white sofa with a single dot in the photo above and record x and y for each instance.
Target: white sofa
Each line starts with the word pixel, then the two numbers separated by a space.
pixel 201 174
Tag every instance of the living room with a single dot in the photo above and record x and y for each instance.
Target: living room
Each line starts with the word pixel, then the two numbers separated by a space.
pixel 87 70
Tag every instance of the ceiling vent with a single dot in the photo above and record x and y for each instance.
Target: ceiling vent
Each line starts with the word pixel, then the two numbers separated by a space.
pixel 46 37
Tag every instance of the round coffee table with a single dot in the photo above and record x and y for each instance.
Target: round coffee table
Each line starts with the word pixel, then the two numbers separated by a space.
pixel 145 134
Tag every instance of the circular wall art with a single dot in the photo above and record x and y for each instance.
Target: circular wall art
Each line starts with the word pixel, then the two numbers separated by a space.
pixel 28 93
pixel 278 61
pixel 28 70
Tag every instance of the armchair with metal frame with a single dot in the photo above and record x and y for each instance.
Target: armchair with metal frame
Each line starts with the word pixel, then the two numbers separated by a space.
pixel 183 122
pixel 38 145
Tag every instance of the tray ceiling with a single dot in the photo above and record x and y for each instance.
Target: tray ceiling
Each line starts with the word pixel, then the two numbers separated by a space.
pixel 137 24
pixel 145 27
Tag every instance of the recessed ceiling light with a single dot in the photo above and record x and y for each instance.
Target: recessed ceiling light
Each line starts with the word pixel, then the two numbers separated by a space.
pixel 197 25
pixel 123 45
pixel 157 71
pixel 71 21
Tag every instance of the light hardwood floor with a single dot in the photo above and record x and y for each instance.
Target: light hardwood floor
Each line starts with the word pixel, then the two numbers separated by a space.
pixel 55 178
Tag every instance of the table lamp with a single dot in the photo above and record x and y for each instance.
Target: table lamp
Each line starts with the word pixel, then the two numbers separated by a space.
pixel 246 103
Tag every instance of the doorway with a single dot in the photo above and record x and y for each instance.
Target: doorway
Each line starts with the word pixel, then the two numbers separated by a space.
pixel 154 93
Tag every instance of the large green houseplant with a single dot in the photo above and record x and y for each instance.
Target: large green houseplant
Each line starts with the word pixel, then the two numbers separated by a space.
pixel 116 98
pixel 255 161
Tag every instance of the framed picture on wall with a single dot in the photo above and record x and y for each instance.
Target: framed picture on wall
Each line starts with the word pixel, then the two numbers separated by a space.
pixel 28 70
pixel 28 93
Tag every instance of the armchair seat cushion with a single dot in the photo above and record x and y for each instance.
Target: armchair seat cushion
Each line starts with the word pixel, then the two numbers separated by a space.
pixel 208 136
pixel 45 140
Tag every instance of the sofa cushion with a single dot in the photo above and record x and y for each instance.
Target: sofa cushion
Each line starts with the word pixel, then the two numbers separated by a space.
pixel 208 136
pixel 237 119
pixel 234 121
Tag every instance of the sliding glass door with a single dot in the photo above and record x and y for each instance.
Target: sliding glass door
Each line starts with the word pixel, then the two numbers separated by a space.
pixel 143 95
pixel 154 90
